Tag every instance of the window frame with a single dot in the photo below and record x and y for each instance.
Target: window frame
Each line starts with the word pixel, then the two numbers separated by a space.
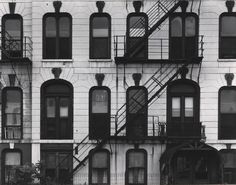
pixel 4 19
pixel 91 153
pixel 195 95
pixel 4 102
pixel 91 38
pixel 231 151
pixel 141 114
pixel 224 14
pixel 145 165
pixel 57 96
pixel 57 149
pixel 98 116
pixel 4 152
pixel 129 38
pixel 57 17
pixel 219 111
pixel 183 16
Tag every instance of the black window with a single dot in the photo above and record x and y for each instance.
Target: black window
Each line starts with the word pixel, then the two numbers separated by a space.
pixel 12 113
pixel 227 35
pixel 99 112
pixel 11 159
pixel 12 36
pixel 100 36
pixel 99 167
pixel 229 165
pixel 137 27
pixel 227 112
pixel 136 115
pixel 183 36
pixel 183 101
pixel 57 162
pixel 57 36
pixel 56 110
pixel 136 167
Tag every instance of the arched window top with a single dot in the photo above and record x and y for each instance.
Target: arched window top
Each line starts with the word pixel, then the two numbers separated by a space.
pixel 13 25
pixel 183 86
pixel 57 86
pixel 100 24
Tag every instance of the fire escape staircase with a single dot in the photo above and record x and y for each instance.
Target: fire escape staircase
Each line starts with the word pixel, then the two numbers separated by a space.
pixel 157 15
pixel 23 45
pixel 155 85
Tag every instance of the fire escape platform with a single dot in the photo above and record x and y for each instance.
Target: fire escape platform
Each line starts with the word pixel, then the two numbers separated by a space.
pixel 125 60
pixel 19 61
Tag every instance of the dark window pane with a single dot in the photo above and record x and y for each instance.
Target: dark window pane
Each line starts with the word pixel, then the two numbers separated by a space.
pixel 228 101
pixel 57 88
pixel 99 101
pixel 64 48
pixel 99 176
pixel 137 26
pixel 137 99
pixel 50 27
pixel 136 176
pixel 100 27
pixel 190 26
pixel 13 27
pixel 51 107
pixel 229 159
pixel 176 27
pixel 64 27
pixel 136 159
pixel 228 47
pixel 228 26
pixel 50 160
pixel 183 88
pixel 99 160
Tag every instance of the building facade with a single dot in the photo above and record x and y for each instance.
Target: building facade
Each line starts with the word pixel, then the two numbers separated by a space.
pixel 118 91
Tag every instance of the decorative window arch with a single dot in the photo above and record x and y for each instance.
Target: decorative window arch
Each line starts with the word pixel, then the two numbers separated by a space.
pixel 100 36
pixel 227 112
pixel 227 35
pixel 12 35
pixel 136 167
pixel 57 36
pixel 56 109
pixel 183 108
pixel 12 113
pixel 99 167
pixel 99 112
pixel 11 159
pixel 183 35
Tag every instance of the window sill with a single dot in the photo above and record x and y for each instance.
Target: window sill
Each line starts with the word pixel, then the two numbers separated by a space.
pixel 100 60
pixel 227 60
pixel 57 60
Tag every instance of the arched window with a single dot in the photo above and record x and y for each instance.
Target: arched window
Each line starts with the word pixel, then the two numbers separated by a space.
pixel 12 36
pixel 136 167
pixel 100 36
pixel 137 27
pixel 12 115
pixel 99 112
pixel 99 167
pixel 57 36
pixel 56 110
pixel 137 111
pixel 11 159
pixel 183 36
pixel 227 35
pixel 229 164
pixel 227 112
pixel 183 106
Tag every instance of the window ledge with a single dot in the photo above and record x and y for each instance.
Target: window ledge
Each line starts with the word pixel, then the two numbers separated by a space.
pixel 57 60
pixel 100 60
pixel 227 60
